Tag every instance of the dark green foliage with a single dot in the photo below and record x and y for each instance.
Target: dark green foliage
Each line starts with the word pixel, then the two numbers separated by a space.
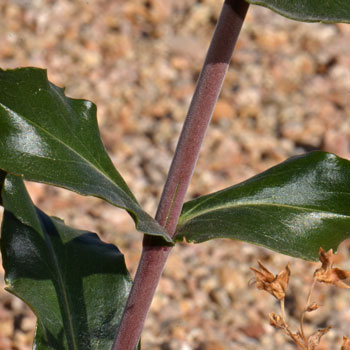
pixel 293 208
pixel 48 137
pixel 327 11
pixel 76 284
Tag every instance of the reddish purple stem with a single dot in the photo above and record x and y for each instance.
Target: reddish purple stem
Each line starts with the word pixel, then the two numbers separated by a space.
pixel 155 254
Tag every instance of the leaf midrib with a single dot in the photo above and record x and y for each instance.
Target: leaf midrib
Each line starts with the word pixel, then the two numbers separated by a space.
pixel 60 279
pixel 63 290
pixel 187 218
pixel 98 169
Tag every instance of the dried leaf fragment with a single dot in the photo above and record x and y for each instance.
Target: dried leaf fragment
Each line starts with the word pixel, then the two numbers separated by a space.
pixel 346 343
pixel 315 338
pixel 275 285
pixel 328 274
pixel 326 258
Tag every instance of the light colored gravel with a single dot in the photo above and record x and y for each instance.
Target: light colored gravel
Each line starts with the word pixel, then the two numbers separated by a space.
pixel 286 92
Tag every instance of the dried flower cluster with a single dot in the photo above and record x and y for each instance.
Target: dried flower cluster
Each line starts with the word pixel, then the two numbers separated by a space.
pixel 277 286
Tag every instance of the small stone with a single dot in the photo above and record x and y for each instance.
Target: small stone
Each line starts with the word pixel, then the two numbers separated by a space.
pixel 28 324
pixel 220 297
pixel 6 328
pixel 254 330
pixel 180 62
pixel 223 109
pixel 214 345
pixel 337 143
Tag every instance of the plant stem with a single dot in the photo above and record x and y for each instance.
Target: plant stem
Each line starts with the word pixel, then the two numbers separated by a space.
pixel 155 253
pixel 304 312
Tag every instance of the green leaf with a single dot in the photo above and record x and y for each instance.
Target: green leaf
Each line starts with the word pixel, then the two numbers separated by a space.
pixel 76 284
pixel 50 138
pixel 327 11
pixel 293 208
pixel 2 179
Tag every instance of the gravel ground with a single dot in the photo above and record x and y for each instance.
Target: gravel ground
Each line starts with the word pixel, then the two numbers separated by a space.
pixel 286 93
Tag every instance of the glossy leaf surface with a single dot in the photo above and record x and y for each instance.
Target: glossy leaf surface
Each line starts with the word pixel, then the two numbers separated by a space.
pixel 76 284
pixel 2 180
pixel 48 137
pixel 292 208
pixel 327 11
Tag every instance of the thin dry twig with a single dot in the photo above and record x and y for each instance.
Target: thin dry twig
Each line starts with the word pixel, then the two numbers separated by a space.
pixel 277 287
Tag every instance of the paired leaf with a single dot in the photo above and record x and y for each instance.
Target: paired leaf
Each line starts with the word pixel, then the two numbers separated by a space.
pixel 327 11
pixel 76 284
pixel 293 208
pixel 48 137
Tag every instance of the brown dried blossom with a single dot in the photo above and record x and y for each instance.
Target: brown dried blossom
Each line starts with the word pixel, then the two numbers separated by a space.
pixel 346 343
pixel 312 307
pixel 275 285
pixel 328 274
pixel 315 338
pixel 326 258
pixel 276 320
